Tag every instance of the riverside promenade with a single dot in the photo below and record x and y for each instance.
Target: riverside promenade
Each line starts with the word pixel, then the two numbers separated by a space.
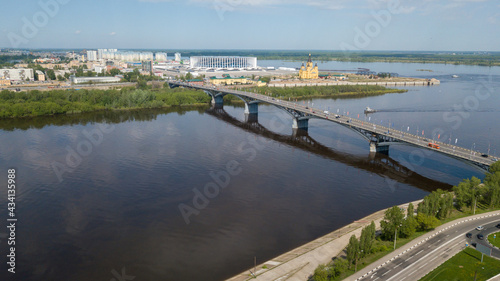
pixel 300 263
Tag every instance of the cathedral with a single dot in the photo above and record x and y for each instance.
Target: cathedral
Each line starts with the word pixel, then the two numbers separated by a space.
pixel 308 71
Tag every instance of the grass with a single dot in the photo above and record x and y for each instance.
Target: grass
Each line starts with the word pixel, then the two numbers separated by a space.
pixel 494 241
pixel 463 266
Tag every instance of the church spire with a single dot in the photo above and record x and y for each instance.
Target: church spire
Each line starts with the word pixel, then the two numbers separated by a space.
pixel 309 60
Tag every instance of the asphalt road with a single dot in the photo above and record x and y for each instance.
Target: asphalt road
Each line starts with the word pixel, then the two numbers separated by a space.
pixel 425 257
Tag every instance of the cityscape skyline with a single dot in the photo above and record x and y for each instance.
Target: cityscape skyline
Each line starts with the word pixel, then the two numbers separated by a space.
pixel 371 25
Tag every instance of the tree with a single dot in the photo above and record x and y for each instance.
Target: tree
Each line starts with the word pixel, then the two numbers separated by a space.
pixel 427 222
pixel 352 251
pixel 321 273
pixel 340 266
pixel 465 192
pixel 393 219
pixel 142 84
pixel 51 74
pixel 410 212
pixel 189 76
pixel 409 227
pixel 114 71
pixel 366 239
pixel 60 78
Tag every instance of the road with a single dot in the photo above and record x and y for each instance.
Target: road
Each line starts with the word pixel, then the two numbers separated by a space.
pixel 414 263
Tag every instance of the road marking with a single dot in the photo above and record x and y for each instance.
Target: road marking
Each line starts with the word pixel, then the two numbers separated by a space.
pixel 438 241
pixel 386 272
pixel 423 265
pixel 395 275
pixel 419 252
pixel 398 265
pixel 412 272
pixel 376 278
pixel 434 258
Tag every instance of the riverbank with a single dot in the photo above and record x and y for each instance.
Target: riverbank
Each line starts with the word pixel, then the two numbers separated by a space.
pixel 58 102
pixel 300 263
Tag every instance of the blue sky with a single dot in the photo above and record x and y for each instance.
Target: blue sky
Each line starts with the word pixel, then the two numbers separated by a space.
pixel 435 25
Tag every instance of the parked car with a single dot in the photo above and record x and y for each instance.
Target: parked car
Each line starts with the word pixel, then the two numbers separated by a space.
pixel 468 235
pixel 480 236
pixel 479 228
pixel 498 225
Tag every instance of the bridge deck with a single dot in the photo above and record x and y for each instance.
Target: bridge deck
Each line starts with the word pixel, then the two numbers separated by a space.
pixel 400 136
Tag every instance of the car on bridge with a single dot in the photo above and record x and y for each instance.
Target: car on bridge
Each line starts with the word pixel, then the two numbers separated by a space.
pixel 479 228
pixel 468 235
pixel 434 145
pixel 480 236
pixel 498 225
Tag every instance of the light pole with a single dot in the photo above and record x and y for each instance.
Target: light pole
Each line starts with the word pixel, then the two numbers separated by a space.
pixel 396 235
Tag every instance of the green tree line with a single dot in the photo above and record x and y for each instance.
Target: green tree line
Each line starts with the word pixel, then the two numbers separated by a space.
pixel 38 103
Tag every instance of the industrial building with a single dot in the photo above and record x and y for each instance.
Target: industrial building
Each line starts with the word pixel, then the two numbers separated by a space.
pixel 81 80
pixel 17 74
pixel 223 62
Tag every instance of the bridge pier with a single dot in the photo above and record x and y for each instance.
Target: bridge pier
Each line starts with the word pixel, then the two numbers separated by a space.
pixel 251 118
pixel 251 108
pixel 377 148
pixel 218 99
pixel 301 124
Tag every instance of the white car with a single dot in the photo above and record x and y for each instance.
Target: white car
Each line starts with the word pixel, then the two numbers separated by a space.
pixel 479 228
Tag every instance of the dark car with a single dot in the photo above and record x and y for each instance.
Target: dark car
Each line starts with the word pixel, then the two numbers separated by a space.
pixel 484 155
pixel 473 245
pixel 480 237
pixel 468 235
pixel 498 225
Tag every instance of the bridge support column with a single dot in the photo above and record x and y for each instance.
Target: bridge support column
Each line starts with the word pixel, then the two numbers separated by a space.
pixel 251 118
pixel 251 108
pixel 375 147
pixel 218 99
pixel 301 124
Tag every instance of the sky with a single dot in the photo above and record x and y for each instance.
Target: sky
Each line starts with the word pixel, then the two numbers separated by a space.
pixel 407 25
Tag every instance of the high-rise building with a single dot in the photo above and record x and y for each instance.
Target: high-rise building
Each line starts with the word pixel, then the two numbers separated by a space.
pixel 161 56
pixel 223 62
pixel 16 74
pixel 178 57
pixel 91 55
pixel 147 66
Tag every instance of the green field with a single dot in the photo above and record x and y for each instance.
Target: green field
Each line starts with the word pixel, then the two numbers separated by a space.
pixel 463 266
pixel 494 241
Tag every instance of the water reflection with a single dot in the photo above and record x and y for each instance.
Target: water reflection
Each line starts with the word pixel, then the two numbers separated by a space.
pixel 375 163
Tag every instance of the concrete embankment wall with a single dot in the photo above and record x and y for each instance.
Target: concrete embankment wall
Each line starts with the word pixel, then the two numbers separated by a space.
pixel 386 84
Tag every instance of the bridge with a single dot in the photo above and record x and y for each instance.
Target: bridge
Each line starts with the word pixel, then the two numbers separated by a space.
pixel 379 137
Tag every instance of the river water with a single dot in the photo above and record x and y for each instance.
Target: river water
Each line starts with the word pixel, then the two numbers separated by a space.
pixel 113 194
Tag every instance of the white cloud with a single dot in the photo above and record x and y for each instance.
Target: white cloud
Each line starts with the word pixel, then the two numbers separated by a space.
pixel 112 33
pixel 78 32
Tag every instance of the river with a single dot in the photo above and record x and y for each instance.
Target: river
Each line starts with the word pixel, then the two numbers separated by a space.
pixel 110 193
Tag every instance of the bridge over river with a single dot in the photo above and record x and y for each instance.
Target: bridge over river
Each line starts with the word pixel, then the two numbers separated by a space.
pixel 378 136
